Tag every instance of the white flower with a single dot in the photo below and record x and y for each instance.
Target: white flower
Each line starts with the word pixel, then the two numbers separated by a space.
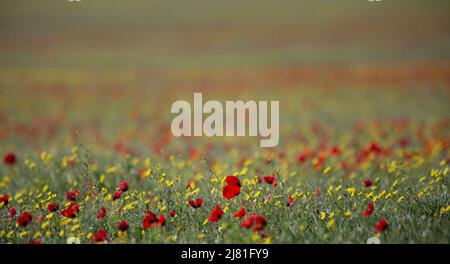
pixel 73 240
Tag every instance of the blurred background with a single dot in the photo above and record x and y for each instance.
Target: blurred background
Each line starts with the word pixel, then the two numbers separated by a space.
pixel 111 69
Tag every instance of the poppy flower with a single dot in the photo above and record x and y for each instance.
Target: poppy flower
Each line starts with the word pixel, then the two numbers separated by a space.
pixel 10 159
pixel 230 191
pixel 4 199
pixel 233 180
pixel 172 213
pixel 255 222
pixel 381 225
pixel 241 213
pixel 197 203
pixel 367 183
pixel 161 220
pixel 123 186
pixel 149 220
pixel 12 212
pixel 122 226
pixel 52 207
pixel 216 214
pixel 71 211
pixel 102 213
pixel 270 180
pixel 369 210
pixel 290 202
pixel 73 195
pixel 101 236
pixel 24 219
pixel 117 195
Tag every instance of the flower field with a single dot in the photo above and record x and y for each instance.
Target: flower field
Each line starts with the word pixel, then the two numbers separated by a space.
pixel 88 155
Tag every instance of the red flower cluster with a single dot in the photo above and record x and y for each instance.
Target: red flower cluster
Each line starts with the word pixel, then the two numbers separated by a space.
pixel 73 195
pixel 24 219
pixel 12 212
pixel 123 186
pixel 71 211
pixel 216 214
pixel 369 210
pixel 10 159
pixel 52 207
pixel 255 222
pixel 382 225
pixel 102 213
pixel 197 203
pixel 172 213
pixel 150 220
pixel 233 187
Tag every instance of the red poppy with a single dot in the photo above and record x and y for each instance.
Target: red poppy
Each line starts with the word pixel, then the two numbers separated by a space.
pixel 149 220
pixel 255 222
pixel 233 180
pixel 291 201
pixel 12 212
pixel 216 214
pixel 172 213
pixel 71 211
pixel 270 180
pixel 102 213
pixel 367 183
pixel 369 210
pixel 241 213
pixel 335 151
pixel 73 195
pixel 230 191
pixel 117 195
pixel 123 186
pixel 10 158
pixel 123 226
pixel 197 203
pixel 24 219
pixel 4 199
pixel 101 236
pixel 381 225
pixel 161 220
pixel 52 207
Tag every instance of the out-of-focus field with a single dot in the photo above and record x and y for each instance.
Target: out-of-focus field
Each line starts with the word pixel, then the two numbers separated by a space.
pixel 363 90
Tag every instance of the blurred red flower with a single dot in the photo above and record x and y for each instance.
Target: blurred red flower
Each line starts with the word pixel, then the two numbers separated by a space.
pixel 161 220
pixel 117 195
pixel 52 207
pixel 123 226
pixel 216 214
pixel 123 186
pixel 73 195
pixel 102 213
pixel 368 183
pixel 71 211
pixel 270 180
pixel 241 213
pixel 255 222
pixel 24 219
pixel 381 225
pixel 10 158
pixel 290 202
pixel 233 187
pixel 101 236
pixel 197 203
pixel 369 210
pixel 12 212
pixel 4 199
pixel 172 213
